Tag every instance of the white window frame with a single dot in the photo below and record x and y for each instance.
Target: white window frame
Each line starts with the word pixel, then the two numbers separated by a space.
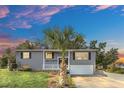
pixel 79 53
pixel 51 55
pixel 23 56
pixel 59 64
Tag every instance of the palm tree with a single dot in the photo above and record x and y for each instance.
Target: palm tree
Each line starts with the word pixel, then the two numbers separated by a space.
pixel 62 40
pixel 78 42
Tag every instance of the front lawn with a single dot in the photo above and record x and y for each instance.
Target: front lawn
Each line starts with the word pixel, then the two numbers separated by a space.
pixel 20 79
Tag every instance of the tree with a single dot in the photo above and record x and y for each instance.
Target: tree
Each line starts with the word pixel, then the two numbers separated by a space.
pixel 104 58
pixel 7 58
pixel 102 46
pixel 3 62
pixel 8 55
pixel 78 42
pixel 26 45
pixel 35 44
pixel 93 44
pixel 111 56
pixel 38 43
pixel 100 54
pixel 63 40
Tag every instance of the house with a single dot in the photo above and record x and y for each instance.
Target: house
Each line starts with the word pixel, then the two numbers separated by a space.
pixel 119 63
pixel 79 61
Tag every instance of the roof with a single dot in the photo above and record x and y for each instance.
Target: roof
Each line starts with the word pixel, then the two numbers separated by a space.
pixel 36 50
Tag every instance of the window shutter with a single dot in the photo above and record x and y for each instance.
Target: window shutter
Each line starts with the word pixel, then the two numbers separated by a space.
pixel 52 55
pixel 21 54
pixel 30 55
pixel 73 55
pixel 89 55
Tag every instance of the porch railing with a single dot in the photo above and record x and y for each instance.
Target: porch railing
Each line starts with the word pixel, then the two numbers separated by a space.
pixel 51 65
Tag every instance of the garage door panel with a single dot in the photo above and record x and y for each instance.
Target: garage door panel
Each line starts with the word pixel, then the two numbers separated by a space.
pixel 81 69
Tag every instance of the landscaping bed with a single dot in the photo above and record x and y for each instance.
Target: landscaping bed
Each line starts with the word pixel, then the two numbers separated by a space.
pixel 54 81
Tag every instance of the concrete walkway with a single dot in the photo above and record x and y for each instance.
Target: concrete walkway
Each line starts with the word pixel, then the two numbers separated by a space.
pixel 99 81
pixel 119 77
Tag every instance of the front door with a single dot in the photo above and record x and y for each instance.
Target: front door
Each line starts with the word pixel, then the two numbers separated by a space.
pixel 66 61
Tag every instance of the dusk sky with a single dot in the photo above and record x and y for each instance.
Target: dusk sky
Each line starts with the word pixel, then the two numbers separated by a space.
pixel 102 23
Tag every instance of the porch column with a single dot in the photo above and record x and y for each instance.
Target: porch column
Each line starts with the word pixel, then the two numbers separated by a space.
pixel 43 60
pixel 68 60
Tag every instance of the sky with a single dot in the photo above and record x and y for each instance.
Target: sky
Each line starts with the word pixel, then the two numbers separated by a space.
pixel 104 23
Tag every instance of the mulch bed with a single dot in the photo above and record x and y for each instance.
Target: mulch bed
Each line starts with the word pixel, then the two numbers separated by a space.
pixel 53 83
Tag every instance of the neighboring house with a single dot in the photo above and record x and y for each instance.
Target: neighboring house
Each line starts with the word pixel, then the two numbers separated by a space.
pixel 79 61
pixel 120 63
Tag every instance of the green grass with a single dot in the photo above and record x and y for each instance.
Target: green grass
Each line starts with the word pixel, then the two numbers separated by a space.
pixel 20 79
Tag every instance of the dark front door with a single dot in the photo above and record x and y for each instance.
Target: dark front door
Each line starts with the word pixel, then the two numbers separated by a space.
pixel 66 61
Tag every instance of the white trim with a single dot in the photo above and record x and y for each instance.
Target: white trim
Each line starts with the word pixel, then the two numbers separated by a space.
pixel 69 60
pixel 58 61
pixel 51 69
pixel 85 50
pixel 43 61
pixel 37 50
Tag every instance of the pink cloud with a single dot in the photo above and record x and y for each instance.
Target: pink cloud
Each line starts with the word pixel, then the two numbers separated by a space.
pixel 19 24
pixel 3 11
pixel 41 14
pixel 45 20
pixel 25 13
pixel 25 16
pixel 121 56
pixel 6 41
pixel 103 7
pixel 50 11
pixel 9 43
pixel 121 53
pixel 14 24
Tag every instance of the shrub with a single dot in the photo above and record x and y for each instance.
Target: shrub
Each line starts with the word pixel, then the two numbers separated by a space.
pixel 120 71
pixel 3 62
pixel 70 82
pixel 12 66
pixel 114 69
pixel 26 69
pixel 99 67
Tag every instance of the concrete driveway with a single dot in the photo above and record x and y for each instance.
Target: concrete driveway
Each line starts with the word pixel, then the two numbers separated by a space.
pixel 97 81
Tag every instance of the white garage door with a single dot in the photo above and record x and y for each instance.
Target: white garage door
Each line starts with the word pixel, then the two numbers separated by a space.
pixel 81 69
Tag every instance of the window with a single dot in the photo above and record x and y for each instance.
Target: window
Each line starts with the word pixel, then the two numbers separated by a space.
pixel 82 56
pixel 25 55
pixel 49 55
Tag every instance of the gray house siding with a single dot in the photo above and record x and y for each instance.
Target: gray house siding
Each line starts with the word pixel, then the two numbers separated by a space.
pixel 82 62
pixel 53 64
pixel 82 67
pixel 36 61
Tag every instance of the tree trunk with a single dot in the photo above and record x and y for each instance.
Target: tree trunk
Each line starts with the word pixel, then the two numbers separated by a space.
pixel 63 71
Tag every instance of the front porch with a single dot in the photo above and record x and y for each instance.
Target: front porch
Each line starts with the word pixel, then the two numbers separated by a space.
pixel 54 64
